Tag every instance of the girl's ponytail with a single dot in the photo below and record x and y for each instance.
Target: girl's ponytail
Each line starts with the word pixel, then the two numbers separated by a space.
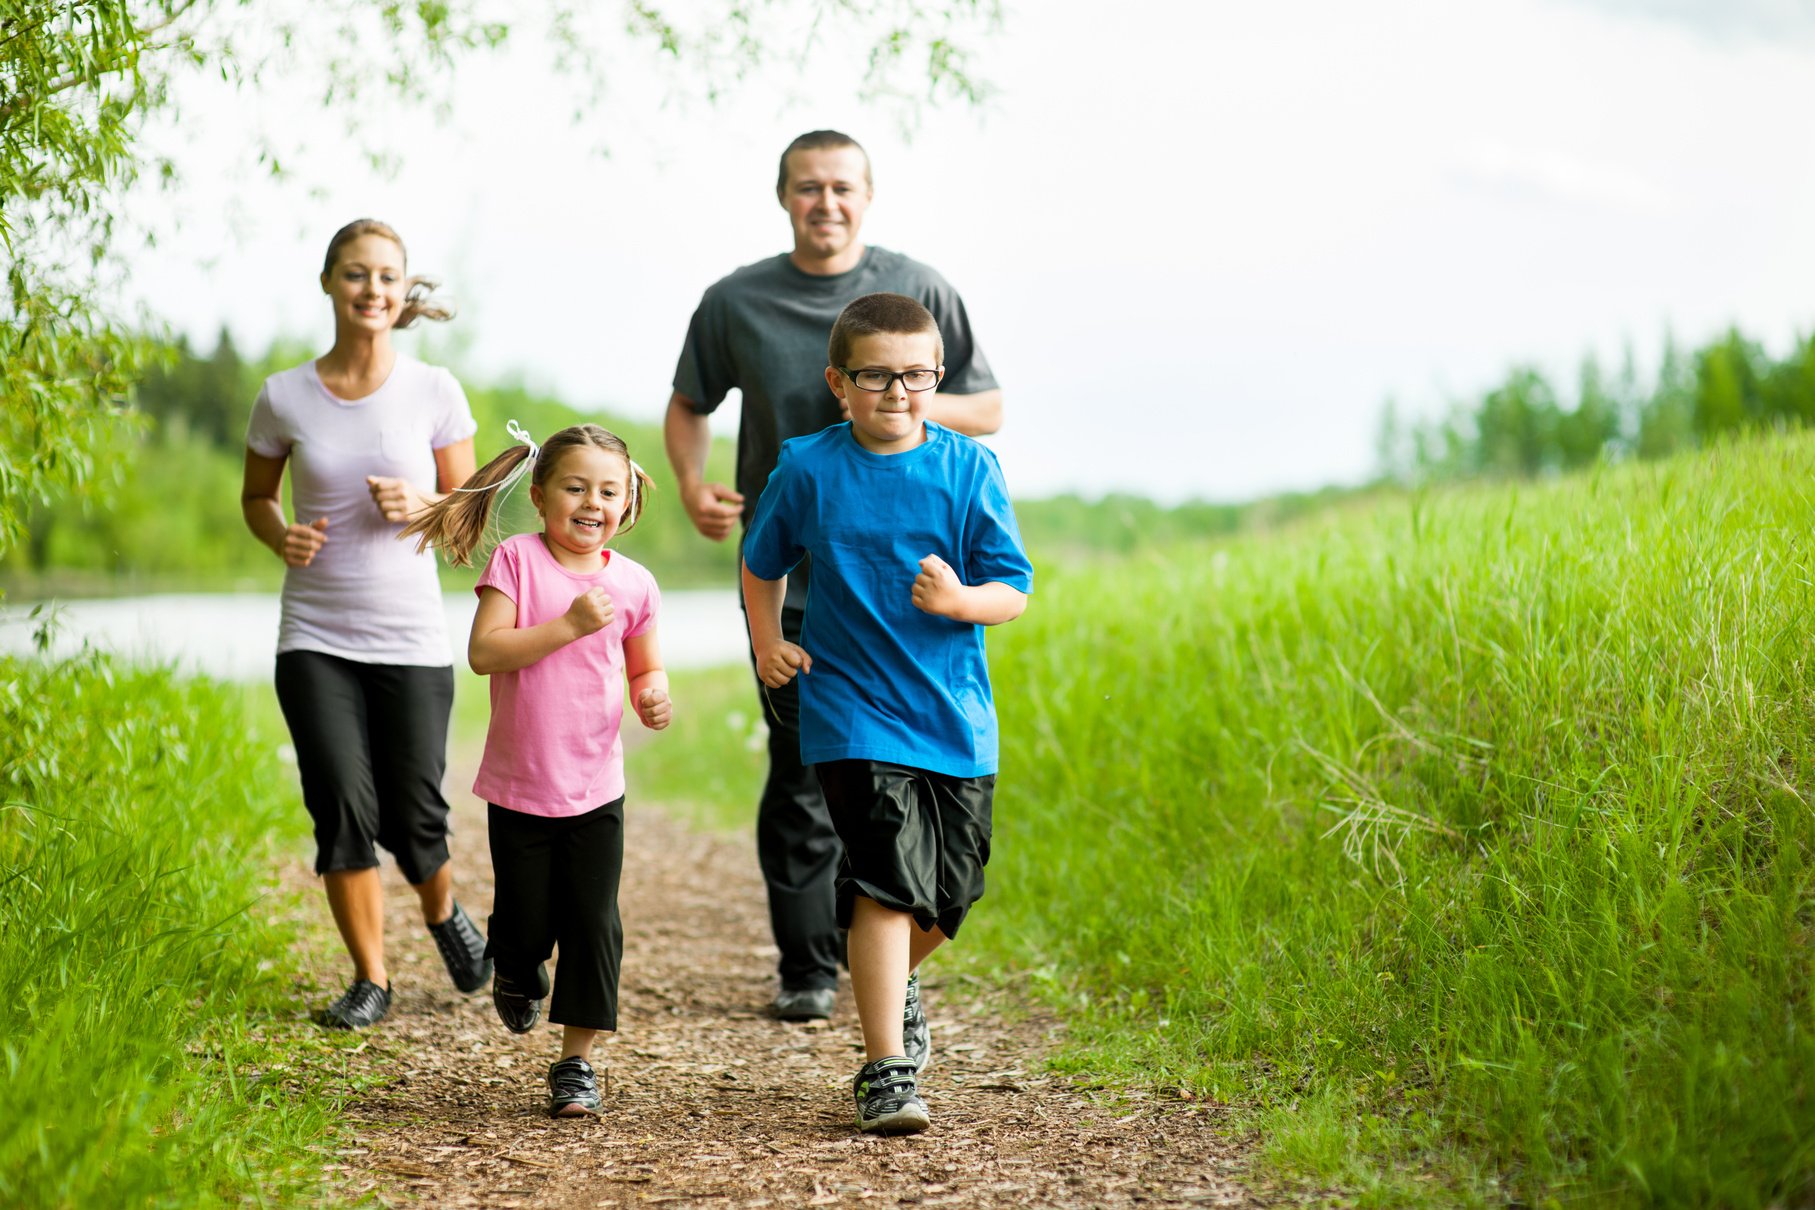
pixel 456 523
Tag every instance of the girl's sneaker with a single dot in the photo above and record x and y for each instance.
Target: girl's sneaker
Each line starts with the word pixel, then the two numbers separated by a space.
pixel 462 950
pixel 888 1101
pixel 362 1004
pixel 916 1038
pixel 572 1089
pixel 519 1006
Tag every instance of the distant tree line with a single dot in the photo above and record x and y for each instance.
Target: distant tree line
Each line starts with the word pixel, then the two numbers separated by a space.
pixel 1524 427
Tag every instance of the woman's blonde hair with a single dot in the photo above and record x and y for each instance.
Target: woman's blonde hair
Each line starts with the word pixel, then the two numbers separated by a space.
pixel 456 524
pixel 418 292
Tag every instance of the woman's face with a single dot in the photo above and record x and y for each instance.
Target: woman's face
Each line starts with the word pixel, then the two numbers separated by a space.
pixel 366 284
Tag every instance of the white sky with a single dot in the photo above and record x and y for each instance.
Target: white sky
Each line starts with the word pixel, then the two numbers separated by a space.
pixel 1201 243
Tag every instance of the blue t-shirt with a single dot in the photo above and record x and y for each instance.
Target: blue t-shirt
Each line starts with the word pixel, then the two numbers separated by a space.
pixel 890 682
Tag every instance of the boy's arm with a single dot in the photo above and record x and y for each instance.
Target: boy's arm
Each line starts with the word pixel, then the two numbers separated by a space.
pixel 497 645
pixel 939 591
pixel 648 680
pixel 777 660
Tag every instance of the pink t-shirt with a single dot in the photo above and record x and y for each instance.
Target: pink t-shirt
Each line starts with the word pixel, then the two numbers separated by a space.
pixel 553 746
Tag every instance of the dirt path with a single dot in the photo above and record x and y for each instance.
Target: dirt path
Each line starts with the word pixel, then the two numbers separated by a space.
pixel 711 1102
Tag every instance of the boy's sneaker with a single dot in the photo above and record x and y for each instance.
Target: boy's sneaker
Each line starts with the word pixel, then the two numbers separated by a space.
pixel 916 1038
pixel 462 950
pixel 362 1004
pixel 888 1102
pixel 519 1005
pixel 805 1003
pixel 572 1089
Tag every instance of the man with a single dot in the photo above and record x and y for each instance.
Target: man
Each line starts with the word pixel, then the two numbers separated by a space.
pixel 763 330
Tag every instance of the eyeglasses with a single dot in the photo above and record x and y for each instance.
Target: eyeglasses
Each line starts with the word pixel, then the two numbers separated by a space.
pixel 882 380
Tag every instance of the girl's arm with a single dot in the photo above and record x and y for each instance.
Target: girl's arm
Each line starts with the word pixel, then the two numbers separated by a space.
pixel 261 503
pixel 648 680
pixel 938 590
pixel 498 645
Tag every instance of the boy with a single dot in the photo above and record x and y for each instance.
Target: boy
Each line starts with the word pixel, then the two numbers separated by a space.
pixel 915 551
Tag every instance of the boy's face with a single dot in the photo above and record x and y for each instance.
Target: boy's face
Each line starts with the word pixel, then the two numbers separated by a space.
pixel 893 419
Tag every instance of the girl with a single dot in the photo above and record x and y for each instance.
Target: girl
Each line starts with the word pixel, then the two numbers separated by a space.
pixel 563 624
pixel 364 672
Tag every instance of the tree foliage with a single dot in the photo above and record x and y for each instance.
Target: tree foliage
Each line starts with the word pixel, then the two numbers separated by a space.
pixel 1522 428
pixel 79 78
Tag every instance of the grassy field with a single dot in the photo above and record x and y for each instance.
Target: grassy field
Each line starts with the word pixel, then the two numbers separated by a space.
pixel 1461 842
pixel 152 1055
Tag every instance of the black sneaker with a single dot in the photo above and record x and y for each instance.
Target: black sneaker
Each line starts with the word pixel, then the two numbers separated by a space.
pixel 887 1100
pixel 916 1038
pixel 805 1003
pixel 517 1007
pixel 572 1090
pixel 362 1004
pixel 462 950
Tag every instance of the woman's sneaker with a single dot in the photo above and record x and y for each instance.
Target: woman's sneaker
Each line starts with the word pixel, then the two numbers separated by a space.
pixel 362 1004
pixel 888 1101
pixel 519 1005
pixel 462 950
pixel 916 1038
pixel 572 1089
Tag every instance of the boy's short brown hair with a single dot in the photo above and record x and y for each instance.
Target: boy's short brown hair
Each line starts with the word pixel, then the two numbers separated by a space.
pixel 894 314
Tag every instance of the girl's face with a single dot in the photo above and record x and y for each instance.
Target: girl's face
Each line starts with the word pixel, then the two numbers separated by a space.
pixel 366 285
pixel 581 503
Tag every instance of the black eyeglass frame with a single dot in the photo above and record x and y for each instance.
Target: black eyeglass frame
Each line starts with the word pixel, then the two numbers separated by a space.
pixel 893 375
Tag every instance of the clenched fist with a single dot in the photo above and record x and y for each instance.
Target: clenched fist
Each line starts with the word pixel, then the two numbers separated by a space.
pixel 591 611
pixel 937 589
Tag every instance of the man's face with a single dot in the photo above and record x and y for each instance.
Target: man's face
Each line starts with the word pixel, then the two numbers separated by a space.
pixel 825 197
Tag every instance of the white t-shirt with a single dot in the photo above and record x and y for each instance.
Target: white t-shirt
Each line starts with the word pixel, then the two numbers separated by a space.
pixel 366 596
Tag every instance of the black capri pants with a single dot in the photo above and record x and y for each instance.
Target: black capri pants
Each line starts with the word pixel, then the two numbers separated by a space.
pixel 371 744
pixel 555 883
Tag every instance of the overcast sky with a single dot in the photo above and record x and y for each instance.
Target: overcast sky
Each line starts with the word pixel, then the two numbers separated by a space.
pixel 1200 243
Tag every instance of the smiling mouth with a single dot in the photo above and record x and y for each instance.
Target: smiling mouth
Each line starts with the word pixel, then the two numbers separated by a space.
pixel 585 524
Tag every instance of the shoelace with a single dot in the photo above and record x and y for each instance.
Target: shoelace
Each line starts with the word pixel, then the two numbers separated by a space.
pixel 361 998
pixel 454 937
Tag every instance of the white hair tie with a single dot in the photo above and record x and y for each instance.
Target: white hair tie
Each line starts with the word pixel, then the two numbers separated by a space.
pixel 522 468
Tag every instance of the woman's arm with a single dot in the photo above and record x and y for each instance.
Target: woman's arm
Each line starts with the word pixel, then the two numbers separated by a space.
pixel 261 504
pixel 647 679
pixel 399 499
pixel 498 645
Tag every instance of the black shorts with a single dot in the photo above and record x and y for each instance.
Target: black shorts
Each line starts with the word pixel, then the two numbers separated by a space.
pixel 371 744
pixel 914 841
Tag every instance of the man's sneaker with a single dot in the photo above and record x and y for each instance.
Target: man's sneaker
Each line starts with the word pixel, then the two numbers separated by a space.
pixel 572 1090
pixel 519 1005
pixel 805 1003
pixel 462 950
pixel 888 1102
pixel 916 1038
pixel 362 1004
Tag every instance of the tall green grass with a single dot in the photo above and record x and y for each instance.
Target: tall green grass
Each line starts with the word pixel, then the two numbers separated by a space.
pixel 142 1054
pixel 1466 836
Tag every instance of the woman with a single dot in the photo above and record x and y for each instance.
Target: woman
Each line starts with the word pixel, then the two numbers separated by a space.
pixel 364 671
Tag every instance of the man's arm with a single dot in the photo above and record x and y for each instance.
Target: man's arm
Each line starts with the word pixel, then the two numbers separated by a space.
pixel 975 415
pixel 713 507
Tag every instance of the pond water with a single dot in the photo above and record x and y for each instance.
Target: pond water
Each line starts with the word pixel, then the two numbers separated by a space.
pixel 233 636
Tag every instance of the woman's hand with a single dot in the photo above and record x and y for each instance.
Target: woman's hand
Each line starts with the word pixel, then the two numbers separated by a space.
pixel 397 499
pixel 591 611
pixel 302 541
pixel 654 708
pixel 777 664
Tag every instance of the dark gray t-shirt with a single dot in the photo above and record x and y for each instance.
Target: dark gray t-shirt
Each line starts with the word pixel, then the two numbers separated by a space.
pixel 763 330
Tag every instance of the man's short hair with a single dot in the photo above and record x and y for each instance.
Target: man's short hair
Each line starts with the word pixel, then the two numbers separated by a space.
pixel 816 140
pixel 875 314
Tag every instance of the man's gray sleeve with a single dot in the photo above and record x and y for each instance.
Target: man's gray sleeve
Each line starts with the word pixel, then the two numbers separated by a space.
pixel 705 373
pixel 967 370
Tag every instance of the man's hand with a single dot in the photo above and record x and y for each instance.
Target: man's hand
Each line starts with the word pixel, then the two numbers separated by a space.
pixel 396 498
pixel 714 509
pixel 302 541
pixel 777 665
pixel 591 611
pixel 937 589
pixel 654 708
